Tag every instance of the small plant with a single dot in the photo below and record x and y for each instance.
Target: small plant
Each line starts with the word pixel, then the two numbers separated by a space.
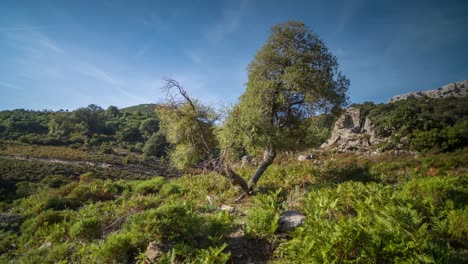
pixel 262 220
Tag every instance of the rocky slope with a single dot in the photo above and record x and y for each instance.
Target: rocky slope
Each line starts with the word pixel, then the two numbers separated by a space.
pixel 354 133
pixel 457 89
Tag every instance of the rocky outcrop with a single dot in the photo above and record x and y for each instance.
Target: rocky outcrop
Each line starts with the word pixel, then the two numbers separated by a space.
pixel 352 134
pixel 457 89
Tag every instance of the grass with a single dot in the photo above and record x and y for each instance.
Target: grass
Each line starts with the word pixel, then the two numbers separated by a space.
pixel 374 210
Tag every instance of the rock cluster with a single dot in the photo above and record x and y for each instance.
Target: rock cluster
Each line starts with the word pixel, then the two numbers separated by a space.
pixel 457 89
pixel 352 134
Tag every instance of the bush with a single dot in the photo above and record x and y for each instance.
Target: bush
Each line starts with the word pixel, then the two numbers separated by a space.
pixel 174 222
pixel 262 220
pixel 155 146
pixel 86 229
pixel 117 248
pixel 150 186
pixel 55 181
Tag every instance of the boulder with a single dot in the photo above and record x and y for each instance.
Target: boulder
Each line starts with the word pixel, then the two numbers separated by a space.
pixel 290 220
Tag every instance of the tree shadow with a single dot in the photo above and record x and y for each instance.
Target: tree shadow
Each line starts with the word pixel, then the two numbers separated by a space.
pixel 244 250
pixel 353 173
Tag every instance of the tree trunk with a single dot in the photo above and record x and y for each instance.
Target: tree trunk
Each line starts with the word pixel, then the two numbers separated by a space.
pixel 235 179
pixel 268 157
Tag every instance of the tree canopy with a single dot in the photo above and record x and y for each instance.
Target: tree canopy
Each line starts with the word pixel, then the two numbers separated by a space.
pixel 292 78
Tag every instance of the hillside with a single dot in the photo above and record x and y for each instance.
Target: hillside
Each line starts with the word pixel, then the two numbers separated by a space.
pixel 142 108
pixel 105 192
pixel 427 122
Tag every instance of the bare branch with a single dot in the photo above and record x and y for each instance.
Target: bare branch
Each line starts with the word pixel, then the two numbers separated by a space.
pixel 171 84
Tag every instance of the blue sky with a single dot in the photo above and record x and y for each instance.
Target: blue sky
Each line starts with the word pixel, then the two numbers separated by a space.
pixel 68 54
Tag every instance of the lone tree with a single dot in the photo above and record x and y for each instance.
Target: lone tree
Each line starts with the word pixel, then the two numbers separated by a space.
pixel 292 78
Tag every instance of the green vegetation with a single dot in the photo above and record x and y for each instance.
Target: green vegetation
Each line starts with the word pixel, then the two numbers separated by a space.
pixel 392 209
pixel 95 185
pixel 424 124
pixel 292 79
pixel 86 128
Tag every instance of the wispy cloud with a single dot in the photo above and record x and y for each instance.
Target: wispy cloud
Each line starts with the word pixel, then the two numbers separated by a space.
pixel 230 22
pixel 49 44
pixel 31 39
pixel 98 74
pixel 24 28
pixel 10 86
pixel 195 57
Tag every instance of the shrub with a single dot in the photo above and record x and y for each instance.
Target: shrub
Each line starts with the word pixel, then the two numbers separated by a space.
pixel 54 181
pixel 87 229
pixel 174 222
pixel 155 146
pixel 150 186
pixel 117 248
pixel 262 220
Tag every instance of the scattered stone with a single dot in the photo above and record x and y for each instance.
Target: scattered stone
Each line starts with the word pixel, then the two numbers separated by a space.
pixel 153 252
pixel 46 244
pixel 303 157
pixel 246 160
pixel 208 200
pixel 228 208
pixel 290 220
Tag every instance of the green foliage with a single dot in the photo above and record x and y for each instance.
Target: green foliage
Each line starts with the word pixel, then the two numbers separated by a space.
pixel 8 242
pixel 117 248
pixel 150 186
pixel 292 77
pixel 169 222
pixel 262 220
pixel 428 124
pixel 213 255
pixel 218 225
pixel 433 195
pixel 87 127
pixel 358 223
pixel 149 126
pixel 190 127
pixel 87 229
pixel 155 146
pixel 129 134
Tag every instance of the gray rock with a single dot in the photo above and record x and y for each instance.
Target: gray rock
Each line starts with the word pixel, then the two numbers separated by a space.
pixel 153 252
pixel 246 160
pixel 290 220
pixel 303 157
pixel 458 89
pixel 228 208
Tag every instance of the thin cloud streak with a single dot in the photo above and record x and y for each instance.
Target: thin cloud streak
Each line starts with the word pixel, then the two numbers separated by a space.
pixel 98 74
pixel 196 58
pixel 229 23
pixel 11 86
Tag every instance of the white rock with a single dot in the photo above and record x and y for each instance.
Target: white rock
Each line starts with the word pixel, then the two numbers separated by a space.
pixel 228 208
